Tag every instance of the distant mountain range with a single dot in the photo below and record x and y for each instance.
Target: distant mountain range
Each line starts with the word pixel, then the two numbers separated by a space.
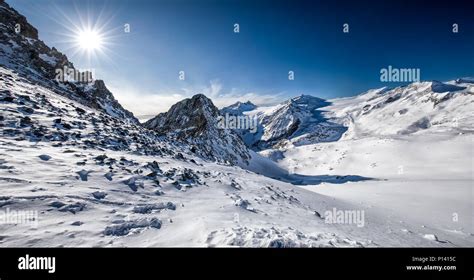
pixel 402 110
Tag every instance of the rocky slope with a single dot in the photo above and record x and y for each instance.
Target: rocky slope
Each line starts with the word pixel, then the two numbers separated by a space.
pixel 33 113
pixel 91 179
pixel 21 50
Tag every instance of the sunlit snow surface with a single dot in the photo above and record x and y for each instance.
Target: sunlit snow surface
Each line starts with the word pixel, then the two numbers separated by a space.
pixel 88 194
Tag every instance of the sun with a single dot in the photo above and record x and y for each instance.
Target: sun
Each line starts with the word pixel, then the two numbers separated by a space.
pixel 88 36
pixel 89 40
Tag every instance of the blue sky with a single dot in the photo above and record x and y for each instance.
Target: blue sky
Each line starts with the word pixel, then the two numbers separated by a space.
pixel 196 36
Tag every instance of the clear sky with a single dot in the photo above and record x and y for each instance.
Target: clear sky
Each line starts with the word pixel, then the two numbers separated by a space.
pixel 197 36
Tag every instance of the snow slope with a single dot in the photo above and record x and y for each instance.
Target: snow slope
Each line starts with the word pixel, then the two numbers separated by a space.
pixel 425 107
pixel 89 192
pixel 424 181
pixel 94 184
pixel 415 142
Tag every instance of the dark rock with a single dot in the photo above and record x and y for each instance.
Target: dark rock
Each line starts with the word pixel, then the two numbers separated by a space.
pixel 80 111
pixel 45 157
pixel 57 204
pixel 26 110
pixel 148 208
pixel 25 121
pixel 99 195
pixel 7 99
pixel 73 208
pixel 123 228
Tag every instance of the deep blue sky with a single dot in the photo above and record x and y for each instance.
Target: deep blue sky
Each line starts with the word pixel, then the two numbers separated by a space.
pixel 275 37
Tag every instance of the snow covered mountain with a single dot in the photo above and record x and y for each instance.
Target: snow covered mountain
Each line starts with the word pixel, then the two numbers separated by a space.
pixel 293 122
pixel 22 50
pixel 417 107
pixel 91 175
pixel 238 108
pixel 422 107
pixel 195 121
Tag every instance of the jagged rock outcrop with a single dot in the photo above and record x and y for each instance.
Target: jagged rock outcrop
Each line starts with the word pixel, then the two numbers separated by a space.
pixel 195 121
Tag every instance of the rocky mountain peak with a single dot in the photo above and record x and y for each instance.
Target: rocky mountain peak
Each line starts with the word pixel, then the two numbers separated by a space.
pixel 21 49
pixel 14 20
pixel 189 117
pixel 195 121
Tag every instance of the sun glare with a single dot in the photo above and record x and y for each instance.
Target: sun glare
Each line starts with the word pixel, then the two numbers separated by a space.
pixel 88 37
pixel 89 40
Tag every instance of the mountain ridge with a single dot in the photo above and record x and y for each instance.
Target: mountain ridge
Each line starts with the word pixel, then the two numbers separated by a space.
pixel 25 53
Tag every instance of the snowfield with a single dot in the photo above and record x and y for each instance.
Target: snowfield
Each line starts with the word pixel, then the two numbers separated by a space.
pixel 87 194
pixel 227 206
pixel 93 189
pixel 422 173
pixel 425 183
pixel 389 167
pixel 206 211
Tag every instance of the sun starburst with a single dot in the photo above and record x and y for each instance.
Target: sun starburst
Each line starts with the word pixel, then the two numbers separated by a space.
pixel 89 40
pixel 88 36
